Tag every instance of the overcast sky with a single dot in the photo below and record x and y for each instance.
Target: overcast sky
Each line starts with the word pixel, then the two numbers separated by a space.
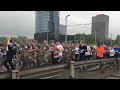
pixel 15 23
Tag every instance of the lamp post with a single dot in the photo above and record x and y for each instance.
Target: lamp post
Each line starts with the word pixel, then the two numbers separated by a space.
pixel 111 39
pixel 47 36
pixel 66 27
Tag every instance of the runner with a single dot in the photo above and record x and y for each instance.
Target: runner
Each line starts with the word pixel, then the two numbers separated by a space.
pixel 3 56
pixel 60 48
pixel 82 49
pixel 76 52
pixel 9 55
pixel 99 52
pixel 88 53
pixel 112 52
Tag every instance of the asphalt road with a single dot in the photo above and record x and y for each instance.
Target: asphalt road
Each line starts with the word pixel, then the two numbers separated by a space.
pixel 94 74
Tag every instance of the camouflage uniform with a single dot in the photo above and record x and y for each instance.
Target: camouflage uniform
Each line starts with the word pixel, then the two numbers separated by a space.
pixel 46 54
pixel 25 56
pixel 39 54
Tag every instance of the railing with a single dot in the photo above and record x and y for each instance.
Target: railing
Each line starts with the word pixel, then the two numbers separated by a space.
pixel 46 70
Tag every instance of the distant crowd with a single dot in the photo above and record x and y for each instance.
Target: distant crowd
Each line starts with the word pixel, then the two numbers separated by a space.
pixel 28 54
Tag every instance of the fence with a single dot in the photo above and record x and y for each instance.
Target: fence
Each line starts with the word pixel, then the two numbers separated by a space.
pixel 50 69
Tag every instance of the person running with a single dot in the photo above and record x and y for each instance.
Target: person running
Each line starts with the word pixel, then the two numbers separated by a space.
pixel 33 53
pixel 82 49
pixel 93 50
pixel 88 53
pixel 15 48
pixel 60 48
pixel 76 52
pixel 112 52
pixel 99 52
pixel 117 50
pixel 9 55
pixel 3 56
pixel 108 48
pixel 26 45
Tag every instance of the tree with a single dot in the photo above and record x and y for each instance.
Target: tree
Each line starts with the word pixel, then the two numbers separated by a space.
pixel 118 40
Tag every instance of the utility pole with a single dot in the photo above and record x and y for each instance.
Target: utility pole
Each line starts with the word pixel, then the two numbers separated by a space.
pixel 75 38
pixel 118 39
pixel 47 36
pixel 111 39
pixel 66 27
pixel 78 38
pixel 84 37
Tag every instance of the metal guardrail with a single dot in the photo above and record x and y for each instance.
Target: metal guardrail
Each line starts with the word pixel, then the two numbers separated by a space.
pixel 41 71
pixel 5 75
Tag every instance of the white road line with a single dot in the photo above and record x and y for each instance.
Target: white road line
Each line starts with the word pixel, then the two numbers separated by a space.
pixel 92 69
pixel 50 76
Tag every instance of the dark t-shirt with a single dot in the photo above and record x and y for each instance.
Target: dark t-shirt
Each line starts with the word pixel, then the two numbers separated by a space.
pixel 82 49
pixel 10 50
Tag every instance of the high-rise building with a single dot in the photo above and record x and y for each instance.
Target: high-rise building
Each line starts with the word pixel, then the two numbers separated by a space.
pixel 62 29
pixel 100 26
pixel 47 22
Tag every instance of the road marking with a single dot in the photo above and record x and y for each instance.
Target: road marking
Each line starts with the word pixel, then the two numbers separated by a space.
pixel 50 76
pixel 92 69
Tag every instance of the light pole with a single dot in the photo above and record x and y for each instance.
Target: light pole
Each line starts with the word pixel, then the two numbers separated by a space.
pixel 47 36
pixel 111 39
pixel 66 27
pixel 118 40
pixel 75 38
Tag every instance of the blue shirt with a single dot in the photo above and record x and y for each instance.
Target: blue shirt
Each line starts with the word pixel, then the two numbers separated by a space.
pixel 14 46
pixel 117 50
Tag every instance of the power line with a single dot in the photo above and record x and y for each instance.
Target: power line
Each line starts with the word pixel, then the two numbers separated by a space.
pixel 75 23
pixel 80 24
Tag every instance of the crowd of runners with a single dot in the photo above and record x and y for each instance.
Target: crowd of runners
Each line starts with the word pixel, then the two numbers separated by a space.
pixel 28 54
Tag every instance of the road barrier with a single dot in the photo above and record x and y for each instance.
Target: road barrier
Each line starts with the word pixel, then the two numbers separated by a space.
pixel 31 73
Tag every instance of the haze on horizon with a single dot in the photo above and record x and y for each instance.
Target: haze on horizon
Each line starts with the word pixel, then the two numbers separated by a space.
pixel 15 23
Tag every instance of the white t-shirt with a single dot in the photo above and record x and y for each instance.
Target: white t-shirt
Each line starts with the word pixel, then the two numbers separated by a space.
pixel 76 50
pixel 88 51
pixel 60 46
pixel 112 51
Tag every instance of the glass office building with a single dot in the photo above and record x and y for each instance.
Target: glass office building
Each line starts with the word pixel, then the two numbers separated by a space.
pixel 62 29
pixel 100 26
pixel 47 22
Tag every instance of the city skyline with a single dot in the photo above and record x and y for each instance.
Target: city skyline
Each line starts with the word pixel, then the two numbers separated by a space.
pixel 15 23
pixel 46 22
pixel 100 26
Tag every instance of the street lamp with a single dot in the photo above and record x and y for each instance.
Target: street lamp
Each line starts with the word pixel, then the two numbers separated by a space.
pixel 47 36
pixel 111 39
pixel 66 27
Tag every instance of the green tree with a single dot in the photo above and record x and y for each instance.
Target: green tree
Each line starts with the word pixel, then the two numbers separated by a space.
pixel 118 40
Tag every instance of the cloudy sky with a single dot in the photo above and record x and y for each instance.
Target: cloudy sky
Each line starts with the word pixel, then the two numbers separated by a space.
pixel 15 23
